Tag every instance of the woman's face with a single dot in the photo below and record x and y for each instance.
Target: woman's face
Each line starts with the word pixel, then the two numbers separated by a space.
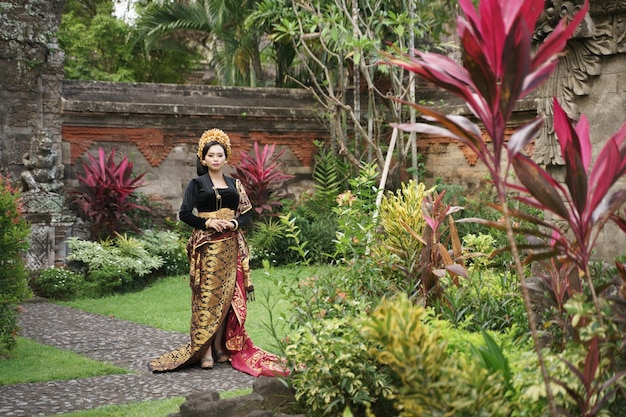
pixel 215 158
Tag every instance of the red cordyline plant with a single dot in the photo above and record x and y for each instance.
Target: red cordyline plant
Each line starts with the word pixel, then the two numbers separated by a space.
pixel 104 194
pixel 435 261
pixel 586 202
pixel 263 179
pixel 498 69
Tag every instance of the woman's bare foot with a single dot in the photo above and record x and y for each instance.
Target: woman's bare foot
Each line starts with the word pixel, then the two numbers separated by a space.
pixel 207 360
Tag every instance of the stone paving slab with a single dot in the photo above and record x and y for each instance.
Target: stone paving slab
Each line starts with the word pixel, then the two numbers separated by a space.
pixel 119 342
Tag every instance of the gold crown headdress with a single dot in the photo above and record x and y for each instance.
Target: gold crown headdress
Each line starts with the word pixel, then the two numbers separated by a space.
pixel 214 135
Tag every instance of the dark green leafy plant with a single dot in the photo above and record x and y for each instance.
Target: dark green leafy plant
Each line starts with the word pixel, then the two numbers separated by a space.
pixel 320 235
pixel 354 211
pixel 14 233
pixel 268 243
pixel 492 358
pixel 58 283
pixel 159 216
pixel 117 264
pixel 100 46
pixel 315 212
pixel 103 195
pixel 329 173
pixel 263 179
pixel 334 370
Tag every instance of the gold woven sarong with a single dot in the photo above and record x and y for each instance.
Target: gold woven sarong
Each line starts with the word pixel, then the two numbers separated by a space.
pixel 213 277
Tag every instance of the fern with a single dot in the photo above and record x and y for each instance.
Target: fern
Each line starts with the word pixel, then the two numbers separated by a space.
pixel 330 175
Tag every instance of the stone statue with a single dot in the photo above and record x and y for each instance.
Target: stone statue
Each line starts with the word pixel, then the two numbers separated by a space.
pixel 43 172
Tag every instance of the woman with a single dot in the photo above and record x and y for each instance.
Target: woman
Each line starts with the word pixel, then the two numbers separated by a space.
pixel 219 269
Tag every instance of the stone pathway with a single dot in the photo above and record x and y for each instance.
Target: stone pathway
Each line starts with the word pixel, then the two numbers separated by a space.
pixel 119 342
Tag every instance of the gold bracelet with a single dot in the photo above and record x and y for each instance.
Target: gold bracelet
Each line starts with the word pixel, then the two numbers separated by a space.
pixel 236 223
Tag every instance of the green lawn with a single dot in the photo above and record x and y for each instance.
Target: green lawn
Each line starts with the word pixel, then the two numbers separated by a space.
pixel 33 362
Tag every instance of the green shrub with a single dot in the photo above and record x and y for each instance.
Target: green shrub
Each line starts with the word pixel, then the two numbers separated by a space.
pixel 268 242
pixel 107 280
pixel 14 233
pixel 170 247
pixel 335 370
pixel 330 173
pixel 398 250
pixel 155 212
pixel 182 229
pixel 433 380
pixel 58 283
pixel 355 225
pixel 315 211
pixel 118 264
pixel 479 205
pixel 347 291
pixel 320 233
pixel 488 300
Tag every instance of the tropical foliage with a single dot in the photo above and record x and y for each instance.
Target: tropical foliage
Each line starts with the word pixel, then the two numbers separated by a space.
pixel 498 69
pixel 99 46
pixel 263 178
pixel 14 234
pixel 337 46
pixel 415 317
pixel 103 196
pixel 216 27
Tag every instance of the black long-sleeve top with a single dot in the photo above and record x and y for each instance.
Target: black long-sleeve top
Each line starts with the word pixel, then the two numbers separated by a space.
pixel 201 195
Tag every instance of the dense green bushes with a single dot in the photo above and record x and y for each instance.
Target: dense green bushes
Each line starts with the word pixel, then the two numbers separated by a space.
pixel 347 374
pixel 122 263
pixel 14 233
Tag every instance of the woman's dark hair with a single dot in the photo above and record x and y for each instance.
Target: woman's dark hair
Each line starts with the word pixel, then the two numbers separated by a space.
pixel 208 145
pixel 201 169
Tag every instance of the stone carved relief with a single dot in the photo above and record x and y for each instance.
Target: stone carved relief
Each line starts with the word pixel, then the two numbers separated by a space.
pixel 602 33
pixel 568 81
pixel 43 170
pixel 43 207
pixel 41 240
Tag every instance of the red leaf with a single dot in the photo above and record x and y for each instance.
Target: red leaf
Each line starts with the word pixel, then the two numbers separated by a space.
pixel 447 74
pixel 516 57
pixel 459 128
pixel 457 269
pixel 604 173
pixel 540 185
pixel 575 148
pixel 619 221
pixel 522 136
